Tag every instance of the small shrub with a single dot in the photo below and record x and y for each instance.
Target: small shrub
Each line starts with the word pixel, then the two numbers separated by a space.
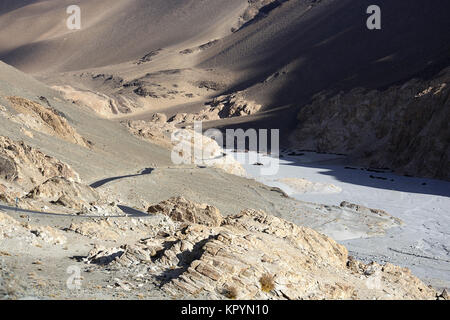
pixel 231 293
pixel 267 283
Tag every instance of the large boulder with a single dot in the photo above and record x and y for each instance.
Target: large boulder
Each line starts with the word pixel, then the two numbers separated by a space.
pixel 62 191
pixel 182 210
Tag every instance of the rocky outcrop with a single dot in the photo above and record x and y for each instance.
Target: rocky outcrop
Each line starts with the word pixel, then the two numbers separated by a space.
pixel 182 210
pixel 233 105
pixel 253 255
pixel 364 210
pixel 115 229
pixel 227 106
pixel 25 167
pixel 102 104
pixel 38 181
pixel 154 131
pixel 404 128
pixel 46 120
pixel 159 118
pixel 148 57
pixel 8 168
pixel 65 192
pixel 72 195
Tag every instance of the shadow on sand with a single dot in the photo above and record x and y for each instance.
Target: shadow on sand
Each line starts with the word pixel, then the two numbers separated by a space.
pixel 373 178
pixel 102 182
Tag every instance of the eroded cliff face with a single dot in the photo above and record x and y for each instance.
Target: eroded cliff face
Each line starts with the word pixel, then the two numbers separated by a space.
pixel 404 128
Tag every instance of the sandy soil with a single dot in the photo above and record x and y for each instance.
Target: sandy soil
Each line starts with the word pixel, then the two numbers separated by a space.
pixel 419 243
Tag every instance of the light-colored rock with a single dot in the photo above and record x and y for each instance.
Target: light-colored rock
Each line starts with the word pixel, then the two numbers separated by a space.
pixel 251 246
pixel 38 181
pixel 445 295
pixel 20 162
pixel 102 229
pixel 182 210
pixel 46 120
pixel 65 192
pixel 227 106
pixel 102 104
pixel 188 146
pixel 233 105
pixel 159 118
pixel 404 128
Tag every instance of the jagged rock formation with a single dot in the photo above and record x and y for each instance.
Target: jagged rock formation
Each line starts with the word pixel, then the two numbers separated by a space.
pixel 403 127
pixel 203 115
pixel 66 192
pixel 23 167
pixel 233 105
pixel 45 119
pixel 155 131
pixel 255 256
pixel 364 210
pixel 73 195
pixel 115 229
pixel 181 210
pixel 226 106
pixel 159 118
pixel 39 180
pixel 148 57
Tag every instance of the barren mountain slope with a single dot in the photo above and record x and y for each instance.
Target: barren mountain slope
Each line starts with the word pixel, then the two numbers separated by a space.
pixel 304 46
pixel 109 141
pixel 171 54
pixel 112 31
pixel 135 170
